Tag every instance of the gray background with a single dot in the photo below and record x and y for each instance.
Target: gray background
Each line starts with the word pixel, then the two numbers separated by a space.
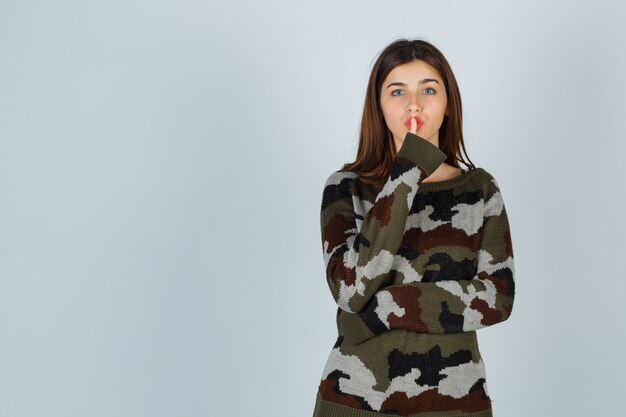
pixel 161 170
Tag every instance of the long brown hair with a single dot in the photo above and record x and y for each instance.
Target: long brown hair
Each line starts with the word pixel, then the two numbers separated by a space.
pixel 376 146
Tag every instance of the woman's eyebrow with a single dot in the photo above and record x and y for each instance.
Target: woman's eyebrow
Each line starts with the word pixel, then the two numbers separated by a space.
pixel 424 81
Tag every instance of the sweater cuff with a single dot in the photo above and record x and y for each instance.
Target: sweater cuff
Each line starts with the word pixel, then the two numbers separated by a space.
pixel 422 152
pixel 352 328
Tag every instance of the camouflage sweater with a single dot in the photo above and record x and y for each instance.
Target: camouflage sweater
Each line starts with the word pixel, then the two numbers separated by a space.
pixel 415 269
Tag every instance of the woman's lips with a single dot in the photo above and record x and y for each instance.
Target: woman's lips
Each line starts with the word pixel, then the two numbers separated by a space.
pixel 408 123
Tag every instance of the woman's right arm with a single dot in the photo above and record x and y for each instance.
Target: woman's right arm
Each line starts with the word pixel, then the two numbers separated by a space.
pixel 358 262
pixel 450 305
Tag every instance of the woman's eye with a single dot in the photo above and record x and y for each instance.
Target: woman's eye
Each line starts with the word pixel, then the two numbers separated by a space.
pixel 393 93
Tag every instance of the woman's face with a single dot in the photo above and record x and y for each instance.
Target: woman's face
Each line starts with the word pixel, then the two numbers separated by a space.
pixel 414 89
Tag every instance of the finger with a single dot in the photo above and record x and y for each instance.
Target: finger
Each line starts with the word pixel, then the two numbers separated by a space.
pixel 413 125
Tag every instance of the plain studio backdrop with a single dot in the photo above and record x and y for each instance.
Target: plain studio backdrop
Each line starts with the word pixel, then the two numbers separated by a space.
pixel 161 175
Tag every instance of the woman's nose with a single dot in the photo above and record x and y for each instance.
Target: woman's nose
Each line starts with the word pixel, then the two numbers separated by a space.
pixel 413 104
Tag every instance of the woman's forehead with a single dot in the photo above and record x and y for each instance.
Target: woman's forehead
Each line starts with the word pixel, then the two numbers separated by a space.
pixel 417 71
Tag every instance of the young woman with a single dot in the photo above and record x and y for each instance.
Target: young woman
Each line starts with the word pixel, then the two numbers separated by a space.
pixel 417 251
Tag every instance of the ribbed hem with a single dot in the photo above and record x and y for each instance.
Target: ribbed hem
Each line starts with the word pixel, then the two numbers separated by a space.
pixel 353 329
pixel 327 409
pixel 422 152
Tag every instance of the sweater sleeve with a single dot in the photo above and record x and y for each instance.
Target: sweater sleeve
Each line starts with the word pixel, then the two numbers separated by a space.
pixel 358 259
pixel 450 306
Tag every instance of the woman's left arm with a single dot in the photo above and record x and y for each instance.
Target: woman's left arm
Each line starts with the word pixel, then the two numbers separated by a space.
pixel 449 306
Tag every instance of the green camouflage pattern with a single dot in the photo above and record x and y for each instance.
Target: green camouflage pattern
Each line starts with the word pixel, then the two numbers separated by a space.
pixel 415 269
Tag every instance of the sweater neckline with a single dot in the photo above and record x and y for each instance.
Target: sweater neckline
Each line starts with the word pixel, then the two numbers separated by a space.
pixel 440 185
